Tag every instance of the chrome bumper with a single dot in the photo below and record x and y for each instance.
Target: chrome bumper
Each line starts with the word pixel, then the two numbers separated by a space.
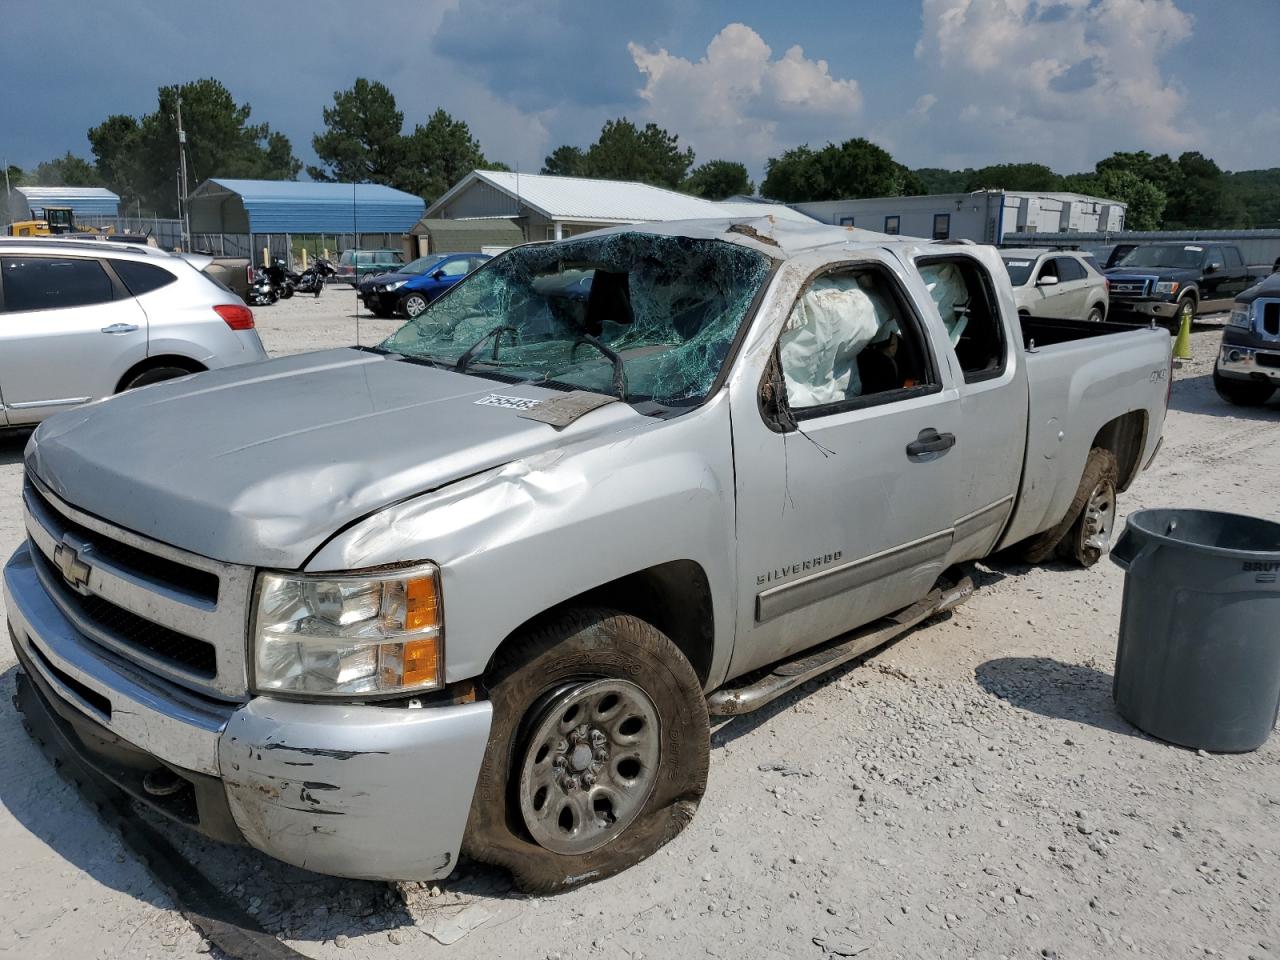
pixel 354 791
pixel 1150 308
pixel 1242 363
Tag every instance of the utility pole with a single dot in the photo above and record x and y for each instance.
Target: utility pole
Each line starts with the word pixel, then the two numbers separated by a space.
pixel 8 197
pixel 183 212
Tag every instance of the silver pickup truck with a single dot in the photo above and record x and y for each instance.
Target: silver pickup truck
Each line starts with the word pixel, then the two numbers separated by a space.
pixel 477 590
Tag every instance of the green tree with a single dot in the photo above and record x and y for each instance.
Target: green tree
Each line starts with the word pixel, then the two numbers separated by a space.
pixel 437 155
pixel 363 140
pixel 1014 176
pixel 139 158
pixel 650 154
pixel 719 179
pixel 67 171
pixel 1255 194
pixel 856 168
pixel 1200 199
pixel 565 161
pixel 938 180
pixel 1145 202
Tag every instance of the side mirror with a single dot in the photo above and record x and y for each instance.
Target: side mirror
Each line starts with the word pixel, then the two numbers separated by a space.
pixel 438 275
pixel 1047 282
pixel 1211 268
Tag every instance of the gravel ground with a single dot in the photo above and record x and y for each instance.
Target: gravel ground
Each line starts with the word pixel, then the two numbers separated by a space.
pixel 967 792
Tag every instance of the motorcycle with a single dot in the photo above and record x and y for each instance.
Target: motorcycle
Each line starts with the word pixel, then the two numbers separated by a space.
pixel 281 278
pixel 261 291
pixel 312 279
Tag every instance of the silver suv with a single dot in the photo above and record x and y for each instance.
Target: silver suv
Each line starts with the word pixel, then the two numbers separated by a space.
pixel 82 319
pixel 1057 283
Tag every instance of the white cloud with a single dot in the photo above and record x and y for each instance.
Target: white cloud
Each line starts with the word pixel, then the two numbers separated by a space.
pixel 1059 81
pixel 738 102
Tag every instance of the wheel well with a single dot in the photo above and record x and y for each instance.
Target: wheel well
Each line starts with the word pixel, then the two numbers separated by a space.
pixel 164 360
pixel 675 597
pixel 1125 437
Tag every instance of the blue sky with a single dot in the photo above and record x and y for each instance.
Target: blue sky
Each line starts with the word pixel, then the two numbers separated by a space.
pixel 937 82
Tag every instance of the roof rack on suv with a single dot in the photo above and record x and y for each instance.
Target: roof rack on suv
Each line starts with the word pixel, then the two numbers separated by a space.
pixel 78 243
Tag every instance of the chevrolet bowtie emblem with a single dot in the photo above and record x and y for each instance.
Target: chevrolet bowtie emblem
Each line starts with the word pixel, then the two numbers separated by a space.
pixel 74 570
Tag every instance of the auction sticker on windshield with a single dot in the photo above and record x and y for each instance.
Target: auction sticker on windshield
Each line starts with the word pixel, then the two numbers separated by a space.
pixel 511 403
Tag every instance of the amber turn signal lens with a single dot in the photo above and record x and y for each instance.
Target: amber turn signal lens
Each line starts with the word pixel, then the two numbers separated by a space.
pixel 421 662
pixel 422 606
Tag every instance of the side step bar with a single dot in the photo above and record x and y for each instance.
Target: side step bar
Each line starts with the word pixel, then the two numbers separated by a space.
pixel 786 676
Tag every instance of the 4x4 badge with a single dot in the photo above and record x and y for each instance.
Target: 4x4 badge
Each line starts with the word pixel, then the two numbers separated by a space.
pixel 74 570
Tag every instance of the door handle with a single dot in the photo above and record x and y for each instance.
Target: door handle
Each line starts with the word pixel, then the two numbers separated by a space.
pixel 120 328
pixel 930 441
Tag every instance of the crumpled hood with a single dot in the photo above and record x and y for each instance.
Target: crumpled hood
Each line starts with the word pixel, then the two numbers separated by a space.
pixel 260 464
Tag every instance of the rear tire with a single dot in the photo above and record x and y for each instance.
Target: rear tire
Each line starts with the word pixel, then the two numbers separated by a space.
pixel 1242 393
pixel 604 792
pixel 1096 314
pixel 155 375
pixel 1068 538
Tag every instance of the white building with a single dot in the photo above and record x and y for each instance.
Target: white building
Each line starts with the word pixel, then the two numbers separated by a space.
pixel 550 208
pixel 986 216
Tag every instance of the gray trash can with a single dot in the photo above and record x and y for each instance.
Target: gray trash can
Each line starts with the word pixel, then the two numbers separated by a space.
pixel 1198 662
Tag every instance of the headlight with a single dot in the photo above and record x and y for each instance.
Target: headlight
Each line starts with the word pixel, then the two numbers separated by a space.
pixel 1169 287
pixel 1240 314
pixel 350 635
pixel 395 285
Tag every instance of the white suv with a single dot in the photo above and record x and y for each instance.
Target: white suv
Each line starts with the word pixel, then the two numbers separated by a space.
pixel 83 319
pixel 1057 283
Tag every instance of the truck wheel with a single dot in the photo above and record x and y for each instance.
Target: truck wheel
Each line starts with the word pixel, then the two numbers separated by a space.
pixel 1242 393
pixel 1062 538
pixel 597 755
pixel 1186 308
pixel 1089 538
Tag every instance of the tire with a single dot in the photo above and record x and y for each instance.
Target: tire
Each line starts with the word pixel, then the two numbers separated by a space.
pixel 155 375
pixel 650 785
pixel 286 291
pixel 412 304
pixel 1097 313
pixel 1088 539
pixel 1187 306
pixel 1242 393
pixel 1068 538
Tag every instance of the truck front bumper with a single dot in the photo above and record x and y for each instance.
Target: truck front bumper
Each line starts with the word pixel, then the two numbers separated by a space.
pixel 1248 363
pixel 361 791
pixel 1148 308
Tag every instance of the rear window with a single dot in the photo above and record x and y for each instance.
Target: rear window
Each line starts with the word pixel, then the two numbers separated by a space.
pixel 142 278
pixel 49 283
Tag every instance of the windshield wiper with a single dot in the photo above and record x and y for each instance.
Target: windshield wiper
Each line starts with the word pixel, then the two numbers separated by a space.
pixel 498 331
pixel 619 368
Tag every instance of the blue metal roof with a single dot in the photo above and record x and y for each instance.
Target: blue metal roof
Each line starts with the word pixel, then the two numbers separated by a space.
pixel 290 206
pixel 83 201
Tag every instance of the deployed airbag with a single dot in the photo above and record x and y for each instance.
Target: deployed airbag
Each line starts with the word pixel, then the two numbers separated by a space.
pixel 950 294
pixel 830 325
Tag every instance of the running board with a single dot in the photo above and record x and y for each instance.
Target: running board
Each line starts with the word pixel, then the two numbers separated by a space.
pixel 786 676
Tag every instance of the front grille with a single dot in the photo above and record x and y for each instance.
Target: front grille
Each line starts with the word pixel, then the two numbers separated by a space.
pixel 1267 359
pixel 1128 288
pixel 131 630
pixel 1271 318
pixel 175 613
pixel 147 566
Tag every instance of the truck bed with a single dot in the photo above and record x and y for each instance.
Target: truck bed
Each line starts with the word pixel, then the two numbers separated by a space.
pixel 1046 331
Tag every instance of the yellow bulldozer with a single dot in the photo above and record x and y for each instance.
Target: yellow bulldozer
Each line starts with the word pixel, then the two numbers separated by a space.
pixel 53 222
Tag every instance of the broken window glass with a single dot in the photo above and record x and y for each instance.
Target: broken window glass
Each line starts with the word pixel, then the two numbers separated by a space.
pixel 669 307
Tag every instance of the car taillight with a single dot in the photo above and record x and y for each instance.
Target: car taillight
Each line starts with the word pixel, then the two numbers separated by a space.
pixel 1107 284
pixel 235 316
pixel 248 274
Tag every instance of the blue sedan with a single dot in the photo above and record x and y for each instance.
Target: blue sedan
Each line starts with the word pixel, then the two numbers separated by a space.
pixel 409 289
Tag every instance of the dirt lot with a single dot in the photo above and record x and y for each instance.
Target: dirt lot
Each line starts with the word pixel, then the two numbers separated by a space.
pixel 968 792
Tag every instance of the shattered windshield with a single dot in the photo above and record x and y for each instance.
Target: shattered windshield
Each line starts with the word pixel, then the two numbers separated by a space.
pixel 648 316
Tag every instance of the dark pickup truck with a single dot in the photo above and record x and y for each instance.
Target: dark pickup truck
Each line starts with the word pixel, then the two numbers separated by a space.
pixel 1170 281
pixel 1247 372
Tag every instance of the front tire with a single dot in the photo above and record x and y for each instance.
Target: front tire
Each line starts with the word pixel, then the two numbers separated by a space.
pixel 412 304
pixel 1186 309
pixel 597 755
pixel 1242 393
